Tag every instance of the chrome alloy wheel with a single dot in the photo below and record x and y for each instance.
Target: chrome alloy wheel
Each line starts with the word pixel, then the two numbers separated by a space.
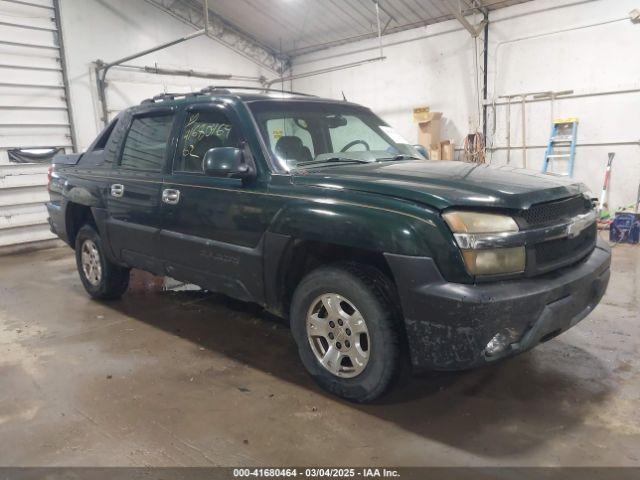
pixel 91 265
pixel 338 335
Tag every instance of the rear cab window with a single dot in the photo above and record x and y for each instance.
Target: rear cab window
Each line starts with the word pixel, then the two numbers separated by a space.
pixel 103 138
pixel 96 154
pixel 354 128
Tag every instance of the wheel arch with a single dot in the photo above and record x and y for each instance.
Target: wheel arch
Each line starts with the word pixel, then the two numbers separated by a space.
pixel 289 259
pixel 77 215
pixel 306 234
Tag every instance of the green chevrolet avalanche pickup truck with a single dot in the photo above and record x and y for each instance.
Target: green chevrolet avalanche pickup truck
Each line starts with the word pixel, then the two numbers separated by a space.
pixel 320 212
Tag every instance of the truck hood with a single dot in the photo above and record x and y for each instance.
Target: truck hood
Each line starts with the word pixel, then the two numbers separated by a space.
pixel 442 184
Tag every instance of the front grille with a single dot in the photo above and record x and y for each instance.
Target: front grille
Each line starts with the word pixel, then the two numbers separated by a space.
pixel 554 212
pixel 546 256
pixel 563 251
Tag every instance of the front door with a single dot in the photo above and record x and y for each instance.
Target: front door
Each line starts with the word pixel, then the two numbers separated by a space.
pixel 134 191
pixel 213 227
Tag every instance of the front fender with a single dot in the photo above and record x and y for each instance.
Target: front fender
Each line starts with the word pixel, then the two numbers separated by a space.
pixel 398 228
pixel 370 228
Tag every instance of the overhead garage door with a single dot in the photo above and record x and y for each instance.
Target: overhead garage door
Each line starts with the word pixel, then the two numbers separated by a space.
pixel 34 115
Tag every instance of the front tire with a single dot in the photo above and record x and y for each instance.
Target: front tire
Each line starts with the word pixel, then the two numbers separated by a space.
pixel 347 331
pixel 101 278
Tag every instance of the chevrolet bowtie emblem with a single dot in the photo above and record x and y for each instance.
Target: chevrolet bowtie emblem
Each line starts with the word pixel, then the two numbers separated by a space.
pixel 579 223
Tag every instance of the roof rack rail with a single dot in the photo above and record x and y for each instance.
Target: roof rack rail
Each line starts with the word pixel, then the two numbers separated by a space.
pixel 225 89
pixel 162 97
pixel 229 88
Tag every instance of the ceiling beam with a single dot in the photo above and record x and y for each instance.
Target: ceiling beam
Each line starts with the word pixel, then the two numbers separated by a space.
pixel 221 30
pixel 390 19
pixel 474 31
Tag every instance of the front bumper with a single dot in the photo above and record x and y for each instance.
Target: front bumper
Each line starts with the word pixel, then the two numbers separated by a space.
pixel 449 324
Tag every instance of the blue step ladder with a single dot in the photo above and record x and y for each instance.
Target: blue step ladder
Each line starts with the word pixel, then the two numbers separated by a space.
pixel 562 146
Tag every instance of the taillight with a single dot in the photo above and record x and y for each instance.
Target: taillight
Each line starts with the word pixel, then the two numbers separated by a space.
pixel 49 176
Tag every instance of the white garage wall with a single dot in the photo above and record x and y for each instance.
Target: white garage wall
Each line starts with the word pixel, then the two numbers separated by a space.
pixel 424 66
pixel 112 29
pixel 596 58
pixel 434 66
pixel 33 113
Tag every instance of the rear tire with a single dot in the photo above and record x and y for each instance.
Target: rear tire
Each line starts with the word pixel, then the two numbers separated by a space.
pixel 101 278
pixel 360 358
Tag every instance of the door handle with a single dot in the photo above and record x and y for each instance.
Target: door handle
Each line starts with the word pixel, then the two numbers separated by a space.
pixel 117 190
pixel 171 196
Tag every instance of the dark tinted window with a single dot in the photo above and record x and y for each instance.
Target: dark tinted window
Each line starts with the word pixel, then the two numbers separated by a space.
pixel 203 131
pixel 146 143
pixel 104 136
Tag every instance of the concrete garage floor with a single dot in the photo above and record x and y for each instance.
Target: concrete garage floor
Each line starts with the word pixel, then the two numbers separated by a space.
pixel 190 378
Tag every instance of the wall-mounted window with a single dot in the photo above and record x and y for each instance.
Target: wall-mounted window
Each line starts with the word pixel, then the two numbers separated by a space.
pixel 33 155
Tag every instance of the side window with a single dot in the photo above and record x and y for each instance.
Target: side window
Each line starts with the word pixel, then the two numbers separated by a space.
pixel 203 131
pixel 146 143
pixel 356 129
pixel 290 140
pixel 104 136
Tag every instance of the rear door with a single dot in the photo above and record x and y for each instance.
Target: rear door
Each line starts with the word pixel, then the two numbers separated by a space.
pixel 134 190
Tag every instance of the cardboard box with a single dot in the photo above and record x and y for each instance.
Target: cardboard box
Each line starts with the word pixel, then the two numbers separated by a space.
pixel 447 151
pixel 421 114
pixel 435 152
pixel 429 130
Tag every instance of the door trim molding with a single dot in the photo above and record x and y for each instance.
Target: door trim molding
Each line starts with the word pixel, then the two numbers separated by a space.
pixel 269 194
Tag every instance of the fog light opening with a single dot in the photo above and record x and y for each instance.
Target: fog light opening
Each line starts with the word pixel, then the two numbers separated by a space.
pixel 500 342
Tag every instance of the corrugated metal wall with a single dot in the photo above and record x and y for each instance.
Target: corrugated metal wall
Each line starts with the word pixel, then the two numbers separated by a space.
pixel 33 114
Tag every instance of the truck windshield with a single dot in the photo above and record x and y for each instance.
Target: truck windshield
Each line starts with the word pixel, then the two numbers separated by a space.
pixel 312 135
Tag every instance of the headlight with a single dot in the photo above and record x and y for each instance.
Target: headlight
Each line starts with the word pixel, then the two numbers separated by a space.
pixel 474 222
pixel 494 261
pixel 472 229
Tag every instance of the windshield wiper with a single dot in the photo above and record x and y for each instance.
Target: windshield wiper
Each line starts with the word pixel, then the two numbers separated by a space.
pixel 332 160
pixel 397 158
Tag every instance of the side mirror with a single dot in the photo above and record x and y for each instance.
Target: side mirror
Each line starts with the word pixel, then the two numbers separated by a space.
pixel 227 162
